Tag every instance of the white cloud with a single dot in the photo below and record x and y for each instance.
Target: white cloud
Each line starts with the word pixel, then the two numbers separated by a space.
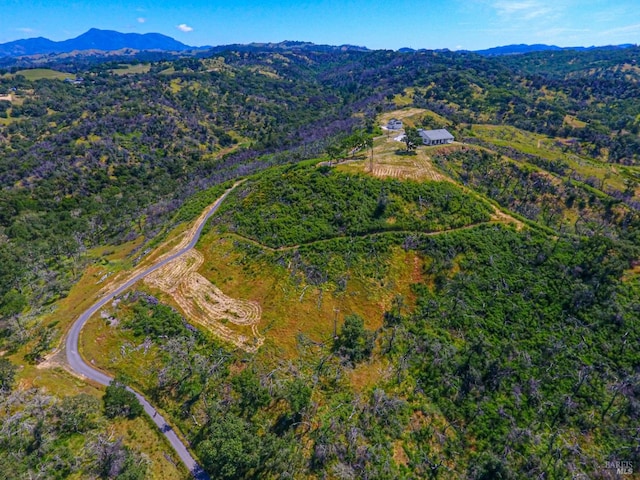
pixel 523 9
pixel 634 29
pixel 183 27
pixel 141 19
pixel 25 30
pixel 612 14
pixel 509 8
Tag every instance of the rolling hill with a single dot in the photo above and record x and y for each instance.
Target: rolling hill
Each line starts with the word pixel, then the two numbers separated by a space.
pixel 355 308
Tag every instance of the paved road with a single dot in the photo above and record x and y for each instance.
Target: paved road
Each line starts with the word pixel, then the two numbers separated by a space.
pixel 77 363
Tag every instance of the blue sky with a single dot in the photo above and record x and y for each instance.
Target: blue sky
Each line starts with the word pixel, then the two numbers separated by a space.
pixel 453 24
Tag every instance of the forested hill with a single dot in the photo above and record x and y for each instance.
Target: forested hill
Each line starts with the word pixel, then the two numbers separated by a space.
pixel 492 297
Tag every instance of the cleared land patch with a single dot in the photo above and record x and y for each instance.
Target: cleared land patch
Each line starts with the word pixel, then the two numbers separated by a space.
pixel 205 304
pixel 389 161
pixel 129 69
pixel 43 73
pixel 554 150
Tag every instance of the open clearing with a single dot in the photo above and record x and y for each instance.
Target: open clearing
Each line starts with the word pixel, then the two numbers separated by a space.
pixel 390 161
pixel 205 304
pixel 128 69
pixel 554 149
pixel 43 73
pixel 412 116
pixel 201 301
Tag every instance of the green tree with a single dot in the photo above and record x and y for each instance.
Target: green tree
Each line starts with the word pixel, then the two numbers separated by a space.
pixel 231 449
pixel 77 413
pixel 253 396
pixel 334 151
pixel 7 375
pixel 412 138
pixel 298 395
pixel 120 402
pixel 12 303
pixel 354 342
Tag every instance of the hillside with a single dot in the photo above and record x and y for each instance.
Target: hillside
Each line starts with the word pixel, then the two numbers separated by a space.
pixel 355 308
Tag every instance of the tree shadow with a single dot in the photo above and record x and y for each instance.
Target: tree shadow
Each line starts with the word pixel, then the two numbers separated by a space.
pixel 285 422
pixel 405 153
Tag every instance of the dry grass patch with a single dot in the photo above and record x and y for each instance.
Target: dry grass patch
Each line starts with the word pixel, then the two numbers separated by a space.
pixel 366 376
pixel 574 122
pixel 389 163
pixel 129 69
pixel 405 98
pixel 205 304
pixel 633 272
pixel 55 381
pixel 290 306
pixel 140 435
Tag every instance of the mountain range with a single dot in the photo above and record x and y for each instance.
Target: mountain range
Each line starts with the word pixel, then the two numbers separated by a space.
pixel 523 48
pixel 109 40
pixel 94 39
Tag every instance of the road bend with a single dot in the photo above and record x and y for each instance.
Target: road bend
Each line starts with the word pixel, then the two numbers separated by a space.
pixel 78 365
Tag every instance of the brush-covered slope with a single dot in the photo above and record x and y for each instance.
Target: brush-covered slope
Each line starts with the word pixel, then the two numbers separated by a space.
pixel 395 350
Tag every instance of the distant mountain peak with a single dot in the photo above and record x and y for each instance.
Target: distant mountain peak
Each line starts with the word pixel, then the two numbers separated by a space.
pixel 93 39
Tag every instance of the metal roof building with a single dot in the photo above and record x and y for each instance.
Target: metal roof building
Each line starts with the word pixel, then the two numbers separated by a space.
pixel 436 137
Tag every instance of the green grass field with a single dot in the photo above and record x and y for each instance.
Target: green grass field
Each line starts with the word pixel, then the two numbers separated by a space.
pixel 551 149
pixel 131 69
pixel 44 73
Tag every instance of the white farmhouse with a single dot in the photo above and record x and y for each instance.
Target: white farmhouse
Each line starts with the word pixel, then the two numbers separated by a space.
pixel 436 137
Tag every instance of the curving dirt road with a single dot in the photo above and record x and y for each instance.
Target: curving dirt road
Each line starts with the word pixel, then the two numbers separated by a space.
pixel 79 366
